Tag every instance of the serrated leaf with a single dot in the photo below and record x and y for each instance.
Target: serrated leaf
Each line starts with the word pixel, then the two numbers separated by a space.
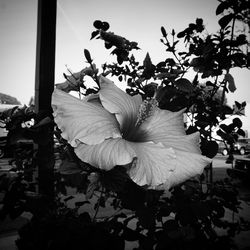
pixel 225 20
pixel 149 67
pixel 147 61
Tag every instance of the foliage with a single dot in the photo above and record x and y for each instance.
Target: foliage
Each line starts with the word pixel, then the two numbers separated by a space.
pixel 188 216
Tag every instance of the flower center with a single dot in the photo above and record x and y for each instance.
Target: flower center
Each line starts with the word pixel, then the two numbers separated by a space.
pixel 146 110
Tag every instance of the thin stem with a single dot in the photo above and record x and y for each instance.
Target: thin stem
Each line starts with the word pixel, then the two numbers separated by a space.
pixel 228 69
pixel 98 205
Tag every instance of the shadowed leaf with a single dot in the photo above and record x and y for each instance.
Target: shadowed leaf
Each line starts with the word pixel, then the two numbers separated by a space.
pixel 225 20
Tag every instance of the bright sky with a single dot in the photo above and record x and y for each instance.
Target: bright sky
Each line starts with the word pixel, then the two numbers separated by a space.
pixel 137 20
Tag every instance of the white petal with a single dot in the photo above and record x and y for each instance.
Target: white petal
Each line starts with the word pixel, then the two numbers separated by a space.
pixel 117 102
pixel 188 165
pixel 168 128
pixel 163 123
pixel 189 143
pixel 107 154
pixel 155 163
pixel 82 121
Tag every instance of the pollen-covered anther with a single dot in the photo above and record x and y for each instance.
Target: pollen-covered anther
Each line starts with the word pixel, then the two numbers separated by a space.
pixel 146 110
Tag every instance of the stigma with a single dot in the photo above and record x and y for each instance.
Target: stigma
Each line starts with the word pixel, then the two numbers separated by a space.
pixel 146 110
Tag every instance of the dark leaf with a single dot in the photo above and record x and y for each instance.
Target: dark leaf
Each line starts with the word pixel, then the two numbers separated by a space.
pixel 237 104
pixel 74 180
pixel 150 89
pixel 68 167
pixel 199 25
pixel 81 203
pixel 98 24
pixel 173 33
pixel 146 217
pixel 186 216
pixel 241 132
pixel 163 31
pixel 91 189
pixel 68 198
pixel 120 78
pixel 209 148
pixel 184 85
pixel 115 179
pixel 200 209
pixel 161 65
pixel 199 21
pixel 152 197
pixel 222 134
pixel 243 104
pixel 225 20
pixel 147 63
pixel 225 128
pixel 84 218
pixel 16 212
pixel 130 235
pixel 170 225
pixel 165 210
pixel 181 34
pixel 87 56
pixel 191 27
pixel 196 62
pixel 102 201
pixel 94 34
pixel 91 91
pixel 132 196
pixel 105 26
pixel 221 7
pixel 191 129
pixel 239 59
pixel 148 67
pixel 237 122
pixel 146 243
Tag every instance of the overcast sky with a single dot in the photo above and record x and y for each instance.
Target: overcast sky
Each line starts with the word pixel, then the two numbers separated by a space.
pixel 136 20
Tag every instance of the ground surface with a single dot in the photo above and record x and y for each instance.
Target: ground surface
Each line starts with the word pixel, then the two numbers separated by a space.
pixel 8 228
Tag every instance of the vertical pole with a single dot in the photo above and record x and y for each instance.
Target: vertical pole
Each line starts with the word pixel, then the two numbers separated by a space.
pixel 44 86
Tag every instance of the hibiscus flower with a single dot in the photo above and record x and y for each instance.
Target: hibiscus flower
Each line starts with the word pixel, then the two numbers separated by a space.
pixel 115 128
